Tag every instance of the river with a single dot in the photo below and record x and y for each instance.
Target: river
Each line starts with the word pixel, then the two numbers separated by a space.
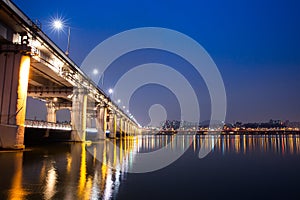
pixel 237 167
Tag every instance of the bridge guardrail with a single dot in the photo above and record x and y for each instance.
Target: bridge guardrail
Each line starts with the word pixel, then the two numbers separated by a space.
pixel 47 125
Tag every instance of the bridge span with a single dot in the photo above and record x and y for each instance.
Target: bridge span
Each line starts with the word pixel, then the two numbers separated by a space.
pixel 31 65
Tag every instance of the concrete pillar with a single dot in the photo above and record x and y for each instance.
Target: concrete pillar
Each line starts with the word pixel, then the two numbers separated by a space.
pixel 89 120
pixel 14 75
pixel 121 126
pixel 78 114
pixel 128 128
pixel 125 127
pixel 51 112
pixel 101 121
pixel 112 124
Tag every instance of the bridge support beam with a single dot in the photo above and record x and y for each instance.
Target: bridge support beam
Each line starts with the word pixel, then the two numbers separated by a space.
pixel 78 115
pixel 13 95
pixel 101 121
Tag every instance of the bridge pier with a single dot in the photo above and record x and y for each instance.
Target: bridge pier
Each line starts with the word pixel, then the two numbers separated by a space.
pixel 79 115
pixel 129 128
pixel 101 121
pixel 89 120
pixel 112 125
pixel 14 65
pixel 121 126
pixel 51 112
pixel 126 127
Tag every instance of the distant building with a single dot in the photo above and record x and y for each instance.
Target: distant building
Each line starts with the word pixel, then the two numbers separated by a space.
pixel 293 124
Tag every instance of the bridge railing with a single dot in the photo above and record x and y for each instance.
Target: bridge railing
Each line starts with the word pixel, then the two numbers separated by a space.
pixel 47 125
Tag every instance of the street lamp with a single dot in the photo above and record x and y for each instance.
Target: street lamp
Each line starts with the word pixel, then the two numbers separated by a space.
pixel 95 71
pixel 58 25
pixel 110 91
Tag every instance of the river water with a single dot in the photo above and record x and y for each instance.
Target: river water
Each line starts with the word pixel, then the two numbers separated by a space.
pixel 238 167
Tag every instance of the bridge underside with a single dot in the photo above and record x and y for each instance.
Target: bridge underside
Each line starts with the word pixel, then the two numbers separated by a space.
pixel 34 80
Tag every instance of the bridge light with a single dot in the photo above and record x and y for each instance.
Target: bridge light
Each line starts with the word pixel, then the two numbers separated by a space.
pixel 57 24
pixel 95 71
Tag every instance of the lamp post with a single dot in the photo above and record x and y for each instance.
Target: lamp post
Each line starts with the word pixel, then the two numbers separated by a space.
pixel 59 25
pixel 68 46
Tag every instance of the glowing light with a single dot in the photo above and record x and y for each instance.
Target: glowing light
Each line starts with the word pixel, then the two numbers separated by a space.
pixel 110 91
pixel 55 99
pixel 57 24
pixel 22 90
pixel 119 101
pixel 95 71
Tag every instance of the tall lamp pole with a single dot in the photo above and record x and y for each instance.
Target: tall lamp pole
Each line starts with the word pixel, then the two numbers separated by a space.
pixel 68 46
pixel 59 25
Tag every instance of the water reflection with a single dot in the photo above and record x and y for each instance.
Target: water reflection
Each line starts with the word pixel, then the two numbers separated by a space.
pixel 130 155
pixel 65 171
pixel 71 171
pixel 278 144
pixel 17 191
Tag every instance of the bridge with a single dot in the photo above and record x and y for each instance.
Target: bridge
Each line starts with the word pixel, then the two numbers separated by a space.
pixel 31 65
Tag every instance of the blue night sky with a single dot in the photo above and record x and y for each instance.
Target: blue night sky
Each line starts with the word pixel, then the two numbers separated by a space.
pixel 255 45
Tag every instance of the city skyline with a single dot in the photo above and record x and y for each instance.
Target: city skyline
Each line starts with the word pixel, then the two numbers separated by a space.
pixel 254 45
